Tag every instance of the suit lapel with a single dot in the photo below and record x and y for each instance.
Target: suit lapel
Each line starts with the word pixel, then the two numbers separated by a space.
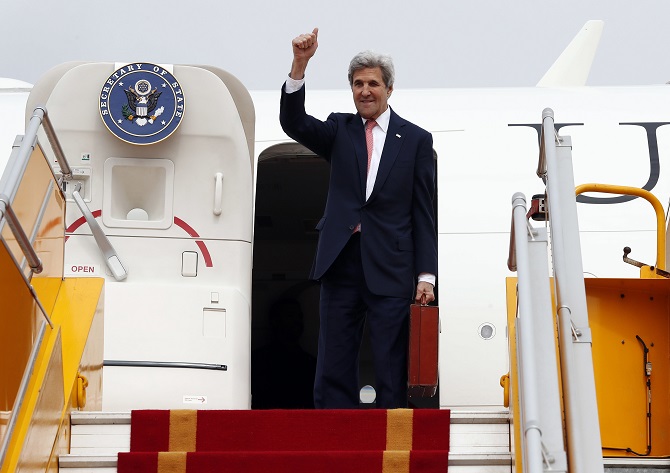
pixel 357 135
pixel 392 145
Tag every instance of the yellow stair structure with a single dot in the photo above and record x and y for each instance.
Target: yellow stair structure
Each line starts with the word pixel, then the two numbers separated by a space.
pixel 51 328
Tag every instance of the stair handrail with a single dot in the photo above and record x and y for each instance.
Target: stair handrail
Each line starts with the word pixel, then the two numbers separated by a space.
pixel 41 113
pixel 581 409
pixel 511 255
pixel 519 259
pixel 9 185
pixel 649 197
pixel 7 212
pixel 12 177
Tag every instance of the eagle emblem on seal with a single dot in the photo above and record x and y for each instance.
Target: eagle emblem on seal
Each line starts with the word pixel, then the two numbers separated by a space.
pixel 141 103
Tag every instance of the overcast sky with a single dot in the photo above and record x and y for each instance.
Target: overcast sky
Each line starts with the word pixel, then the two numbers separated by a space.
pixel 435 43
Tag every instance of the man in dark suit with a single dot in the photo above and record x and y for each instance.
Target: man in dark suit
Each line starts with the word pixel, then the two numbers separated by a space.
pixel 377 237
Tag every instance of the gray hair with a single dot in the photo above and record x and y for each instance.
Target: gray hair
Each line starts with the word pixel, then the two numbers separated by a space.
pixel 371 59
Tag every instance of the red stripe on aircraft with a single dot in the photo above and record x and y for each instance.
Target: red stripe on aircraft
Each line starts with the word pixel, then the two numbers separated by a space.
pixel 201 244
pixel 79 222
pixel 179 222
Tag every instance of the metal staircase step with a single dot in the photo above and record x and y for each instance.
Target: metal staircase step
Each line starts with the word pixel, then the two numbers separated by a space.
pixel 458 463
pixel 94 417
pixel 84 463
pixel 99 433
pixel 637 465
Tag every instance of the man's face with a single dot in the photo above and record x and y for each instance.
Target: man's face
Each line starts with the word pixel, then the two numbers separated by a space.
pixel 370 93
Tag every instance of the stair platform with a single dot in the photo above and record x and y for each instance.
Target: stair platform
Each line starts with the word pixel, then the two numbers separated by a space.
pixel 479 442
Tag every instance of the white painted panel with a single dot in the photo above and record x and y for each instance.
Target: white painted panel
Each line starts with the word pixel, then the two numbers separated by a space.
pixel 471 293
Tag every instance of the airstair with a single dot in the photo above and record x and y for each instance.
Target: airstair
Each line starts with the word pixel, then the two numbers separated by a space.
pixel 577 348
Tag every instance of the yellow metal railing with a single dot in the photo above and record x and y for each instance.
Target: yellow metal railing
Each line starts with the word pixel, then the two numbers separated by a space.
pixel 649 197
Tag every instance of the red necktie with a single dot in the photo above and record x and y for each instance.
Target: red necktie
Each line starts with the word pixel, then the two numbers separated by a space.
pixel 369 125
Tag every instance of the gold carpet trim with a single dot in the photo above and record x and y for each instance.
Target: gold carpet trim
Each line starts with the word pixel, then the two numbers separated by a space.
pixel 399 429
pixel 171 462
pixel 395 462
pixel 183 425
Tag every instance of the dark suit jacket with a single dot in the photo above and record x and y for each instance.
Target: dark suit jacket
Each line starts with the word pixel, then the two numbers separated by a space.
pixel 398 237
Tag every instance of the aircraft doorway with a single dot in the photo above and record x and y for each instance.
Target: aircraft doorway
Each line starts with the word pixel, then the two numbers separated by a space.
pixel 291 189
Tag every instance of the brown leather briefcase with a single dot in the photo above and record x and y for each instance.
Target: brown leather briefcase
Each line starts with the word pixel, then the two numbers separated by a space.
pixel 423 342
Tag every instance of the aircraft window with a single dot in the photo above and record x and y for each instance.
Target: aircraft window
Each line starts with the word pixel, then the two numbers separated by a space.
pixel 487 331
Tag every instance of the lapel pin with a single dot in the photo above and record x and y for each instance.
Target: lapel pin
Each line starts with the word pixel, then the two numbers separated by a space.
pixel 398 135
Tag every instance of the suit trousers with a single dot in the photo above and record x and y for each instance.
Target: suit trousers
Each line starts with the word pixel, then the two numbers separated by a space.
pixel 346 306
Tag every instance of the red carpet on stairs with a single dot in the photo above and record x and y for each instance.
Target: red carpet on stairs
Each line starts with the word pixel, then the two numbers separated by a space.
pixel 284 462
pixel 295 441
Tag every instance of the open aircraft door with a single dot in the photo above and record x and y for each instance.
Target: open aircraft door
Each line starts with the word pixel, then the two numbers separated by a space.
pixel 162 164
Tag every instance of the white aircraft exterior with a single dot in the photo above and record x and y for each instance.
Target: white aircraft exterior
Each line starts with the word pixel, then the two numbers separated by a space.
pixel 13 96
pixel 486 147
